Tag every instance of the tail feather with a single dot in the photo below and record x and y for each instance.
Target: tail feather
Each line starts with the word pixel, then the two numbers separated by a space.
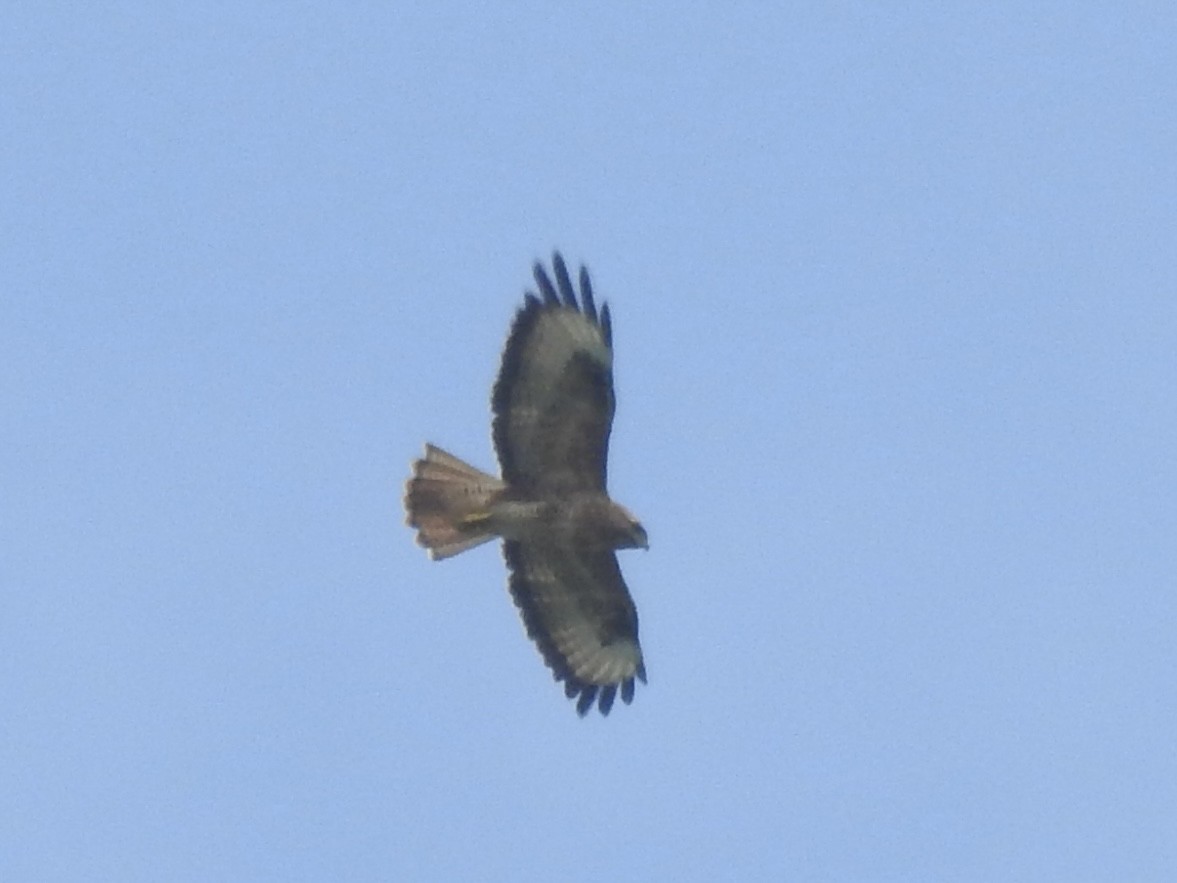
pixel 448 501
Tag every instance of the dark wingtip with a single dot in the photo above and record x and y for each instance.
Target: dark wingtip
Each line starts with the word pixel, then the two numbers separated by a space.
pixel 586 294
pixel 562 293
pixel 563 282
pixel 545 284
pixel 587 694
pixel 607 696
pixel 627 691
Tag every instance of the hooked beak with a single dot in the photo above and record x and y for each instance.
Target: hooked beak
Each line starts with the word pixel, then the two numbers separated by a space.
pixel 640 540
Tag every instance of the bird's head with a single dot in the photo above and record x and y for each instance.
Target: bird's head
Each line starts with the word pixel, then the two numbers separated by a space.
pixel 630 533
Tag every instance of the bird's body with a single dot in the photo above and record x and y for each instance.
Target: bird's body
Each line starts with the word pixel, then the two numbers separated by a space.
pixel 553 408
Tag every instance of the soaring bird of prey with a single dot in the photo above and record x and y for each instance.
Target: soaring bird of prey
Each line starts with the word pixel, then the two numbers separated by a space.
pixel 553 408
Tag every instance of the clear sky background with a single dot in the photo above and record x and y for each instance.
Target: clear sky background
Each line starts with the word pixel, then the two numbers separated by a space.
pixel 896 324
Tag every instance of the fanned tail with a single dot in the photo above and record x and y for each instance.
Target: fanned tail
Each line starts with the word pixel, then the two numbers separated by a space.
pixel 448 501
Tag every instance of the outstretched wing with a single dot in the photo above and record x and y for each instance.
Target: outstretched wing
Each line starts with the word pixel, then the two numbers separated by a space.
pixel 579 613
pixel 553 401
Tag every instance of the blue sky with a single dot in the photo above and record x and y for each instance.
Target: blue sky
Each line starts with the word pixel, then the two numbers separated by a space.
pixel 896 328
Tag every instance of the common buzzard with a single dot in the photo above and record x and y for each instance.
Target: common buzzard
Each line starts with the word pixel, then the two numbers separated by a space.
pixel 553 409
